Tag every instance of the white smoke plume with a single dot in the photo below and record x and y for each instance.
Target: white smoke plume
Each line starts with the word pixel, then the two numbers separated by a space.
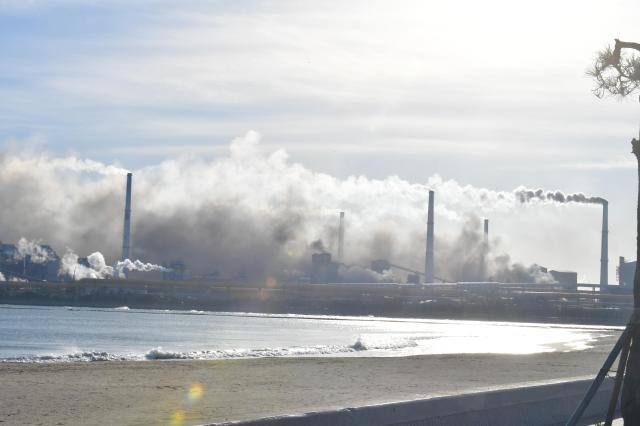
pixel 358 274
pixel 33 249
pixel 137 265
pixel 12 279
pixel 251 213
pixel 29 160
pixel 97 269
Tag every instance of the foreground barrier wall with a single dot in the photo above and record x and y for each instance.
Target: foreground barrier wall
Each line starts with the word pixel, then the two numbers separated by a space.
pixel 549 404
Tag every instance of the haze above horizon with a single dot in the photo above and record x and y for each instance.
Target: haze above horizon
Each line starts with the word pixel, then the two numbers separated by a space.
pixel 493 94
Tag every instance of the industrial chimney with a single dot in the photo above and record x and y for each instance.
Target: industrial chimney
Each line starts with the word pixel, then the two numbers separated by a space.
pixel 486 234
pixel 341 239
pixel 604 249
pixel 428 262
pixel 126 235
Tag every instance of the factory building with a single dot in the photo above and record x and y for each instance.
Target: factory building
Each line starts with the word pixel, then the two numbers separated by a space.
pixel 380 265
pixel 323 270
pixel 626 273
pixel 567 279
pixel 176 271
pixel 15 266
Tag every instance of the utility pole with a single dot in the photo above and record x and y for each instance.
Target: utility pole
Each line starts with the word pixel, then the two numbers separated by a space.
pixel 617 73
pixel 630 398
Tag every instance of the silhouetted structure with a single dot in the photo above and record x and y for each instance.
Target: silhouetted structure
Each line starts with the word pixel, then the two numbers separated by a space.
pixel 126 234
pixel 604 248
pixel 428 264
pixel 341 239
pixel 177 271
pixel 323 270
pixel 625 272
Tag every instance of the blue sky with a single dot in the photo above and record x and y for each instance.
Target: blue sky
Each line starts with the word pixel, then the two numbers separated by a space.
pixel 351 89
pixel 491 93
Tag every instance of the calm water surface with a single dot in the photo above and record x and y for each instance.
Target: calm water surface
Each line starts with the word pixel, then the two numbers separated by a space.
pixel 63 334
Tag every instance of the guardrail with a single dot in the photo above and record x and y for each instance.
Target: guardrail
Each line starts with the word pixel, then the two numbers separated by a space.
pixel 547 404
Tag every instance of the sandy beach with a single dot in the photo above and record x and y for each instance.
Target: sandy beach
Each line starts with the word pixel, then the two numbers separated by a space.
pixel 196 392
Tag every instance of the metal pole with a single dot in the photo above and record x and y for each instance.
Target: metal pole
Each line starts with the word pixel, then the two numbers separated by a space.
pixel 622 365
pixel 599 378
pixel 630 396
pixel 604 247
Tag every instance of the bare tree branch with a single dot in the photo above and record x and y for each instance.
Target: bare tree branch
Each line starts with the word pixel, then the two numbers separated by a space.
pixel 616 71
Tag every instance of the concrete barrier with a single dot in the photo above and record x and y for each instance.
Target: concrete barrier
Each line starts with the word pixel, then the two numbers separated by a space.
pixel 548 404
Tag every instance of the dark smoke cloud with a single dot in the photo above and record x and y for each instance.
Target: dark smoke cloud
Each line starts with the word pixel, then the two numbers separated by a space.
pixel 227 239
pixel 525 195
pixel 250 214
pixel 317 246
pixel 467 258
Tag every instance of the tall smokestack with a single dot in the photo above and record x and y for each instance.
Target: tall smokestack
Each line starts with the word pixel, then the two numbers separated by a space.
pixel 341 239
pixel 428 262
pixel 486 234
pixel 604 249
pixel 126 235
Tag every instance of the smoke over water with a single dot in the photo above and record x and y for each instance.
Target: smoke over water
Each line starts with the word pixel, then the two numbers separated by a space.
pixel 251 213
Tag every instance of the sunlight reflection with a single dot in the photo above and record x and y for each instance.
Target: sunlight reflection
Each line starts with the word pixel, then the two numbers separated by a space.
pixel 196 391
pixel 194 395
pixel 177 418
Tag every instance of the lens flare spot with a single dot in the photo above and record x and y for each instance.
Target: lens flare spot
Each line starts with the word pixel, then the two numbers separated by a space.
pixel 177 419
pixel 271 282
pixel 196 391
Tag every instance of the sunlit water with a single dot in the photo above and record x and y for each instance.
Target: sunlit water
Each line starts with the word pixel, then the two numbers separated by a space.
pixel 59 334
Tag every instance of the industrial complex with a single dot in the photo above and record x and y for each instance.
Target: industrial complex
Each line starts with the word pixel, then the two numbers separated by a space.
pixel 38 278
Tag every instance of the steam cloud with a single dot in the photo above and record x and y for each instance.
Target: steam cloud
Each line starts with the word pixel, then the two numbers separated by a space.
pixel 358 274
pixel 138 265
pixel 98 268
pixel 32 249
pixel 251 213
pixel 14 279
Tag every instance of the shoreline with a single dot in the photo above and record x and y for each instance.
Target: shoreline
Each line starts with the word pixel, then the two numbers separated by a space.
pixel 464 301
pixel 618 320
pixel 317 316
pixel 154 392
